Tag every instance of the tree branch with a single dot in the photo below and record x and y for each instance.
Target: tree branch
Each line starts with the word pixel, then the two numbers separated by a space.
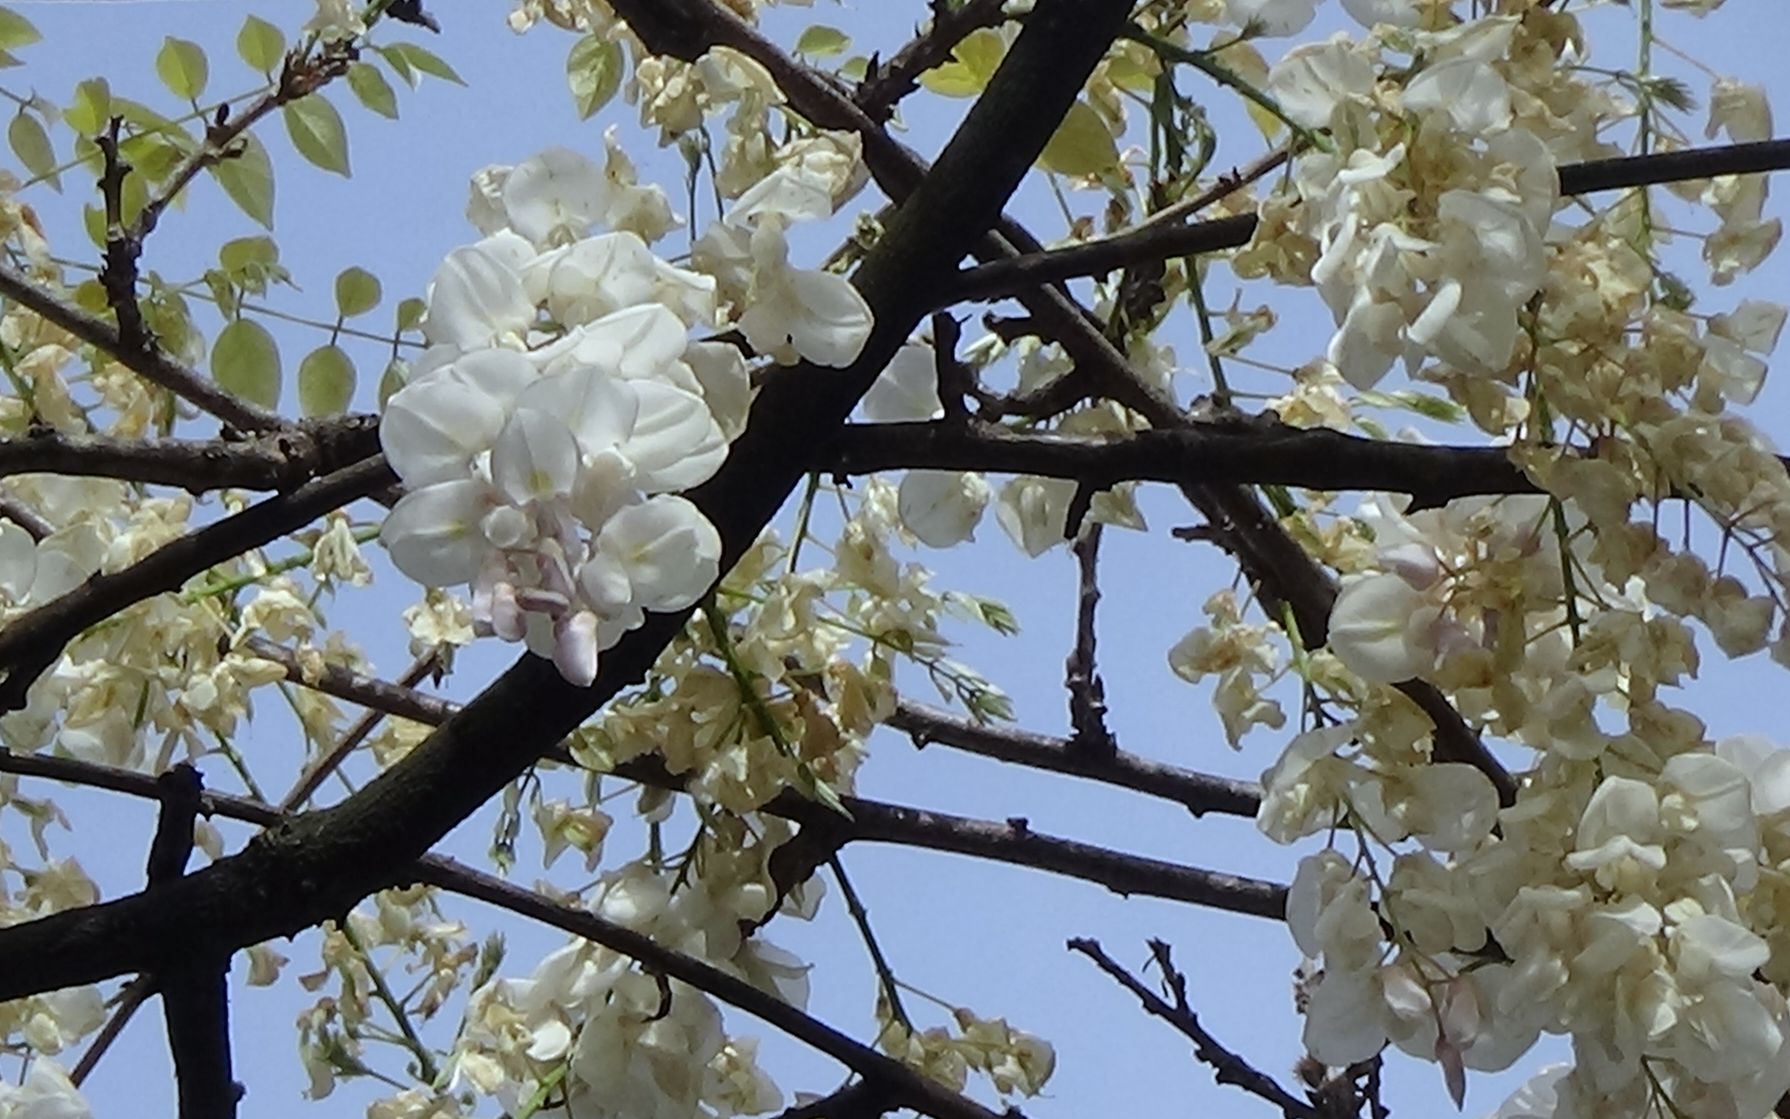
pixel 886 83
pixel 1199 793
pixel 1254 451
pixel 1228 1067
pixel 275 460
pixel 1154 240
pixel 31 643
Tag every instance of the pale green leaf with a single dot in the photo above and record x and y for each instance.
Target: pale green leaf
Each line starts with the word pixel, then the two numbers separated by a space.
pixel 357 292
pixel 594 73
pixel 973 61
pixel 317 132
pixel 821 41
pixel 16 31
pixel 181 66
pixel 410 312
pixel 245 360
pixel 1081 145
pixel 391 380
pixel 31 143
pixel 251 263
pixel 370 86
pixel 400 65
pixel 91 108
pixel 424 61
pixel 247 178
pixel 261 44
pixel 856 68
pixel 325 382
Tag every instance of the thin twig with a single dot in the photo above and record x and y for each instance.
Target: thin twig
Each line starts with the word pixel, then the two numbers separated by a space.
pixel 419 669
pixel 886 83
pixel 1081 675
pixel 1228 1067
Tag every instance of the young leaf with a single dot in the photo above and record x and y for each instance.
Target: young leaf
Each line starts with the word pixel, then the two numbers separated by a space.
pixel 325 382
pixel 91 109
pixel 423 60
pixel 973 62
pixel 594 73
pixel 357 292
pixel 317 132
pixel 181 66
pixel 410 312
pixel 31 143
pixel 821 41
pixel 252 262
pixel 248 179
pixel 370 86
pixel 1081 145
pixel 392 379
pixel 246 361
pixel 16 31
pixel 399 64
pixel 261 44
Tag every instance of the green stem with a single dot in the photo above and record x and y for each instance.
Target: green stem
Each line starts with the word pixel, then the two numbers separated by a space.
pixel 425 1060
pixel 885 975
pixel 1230 79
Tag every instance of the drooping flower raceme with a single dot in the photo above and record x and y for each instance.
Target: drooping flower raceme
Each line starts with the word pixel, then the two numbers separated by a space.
pixel 544 456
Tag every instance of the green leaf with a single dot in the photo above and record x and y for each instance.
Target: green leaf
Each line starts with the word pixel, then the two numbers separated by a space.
pixel 246 361
pixel 317 132
pixel 16 31
pixel 973 62
pixel 410 312
pixel 181 66
pixel 399 64
pixel 357 292
pixel 392 379
pixel 251 262
pixel 248 179
pixel 423 60
pixel 151 155
pixel 821 41
pixel 31 143
pixel 370 86
pixel 93 220
pixel 325 382
pixel 261 44
pixel 1081 145
pixel 856 68
pixel 90 296
pixel 594 73
pixel 91 109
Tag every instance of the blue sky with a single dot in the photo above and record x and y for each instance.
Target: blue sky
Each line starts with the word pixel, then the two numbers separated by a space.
pixel 985 936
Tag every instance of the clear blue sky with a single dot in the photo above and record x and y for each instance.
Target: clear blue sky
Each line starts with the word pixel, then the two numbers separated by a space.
pixel 986 936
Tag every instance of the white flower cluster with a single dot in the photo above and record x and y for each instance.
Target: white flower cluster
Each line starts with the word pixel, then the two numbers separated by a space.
pixel 562 405
pixel 633 1044
pixel 1428 247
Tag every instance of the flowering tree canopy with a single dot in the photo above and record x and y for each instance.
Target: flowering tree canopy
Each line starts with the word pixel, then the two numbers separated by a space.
pixel 686 443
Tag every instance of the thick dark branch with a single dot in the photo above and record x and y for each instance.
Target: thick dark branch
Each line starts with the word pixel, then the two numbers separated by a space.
pixel 1157 241
pixel 316 865
pixel 152 365
pixel 1253 452
pixel 1228 1067
pixel 195 991
pixel 276 460
pixel 887 83
pixel 1198 792
pixel 32 642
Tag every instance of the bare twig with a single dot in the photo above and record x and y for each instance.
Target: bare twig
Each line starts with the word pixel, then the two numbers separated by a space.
pixel 25 517
pixel 1228 1067
pixel 1081 676
pixel 419 669
pixel 1199 793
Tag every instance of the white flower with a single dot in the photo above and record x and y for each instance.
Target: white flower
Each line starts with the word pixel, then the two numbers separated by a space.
pixel 1273 17
pixel 553 198
pixel 476 300
pixel 942 507
pixel 1371 628
pixel 907 388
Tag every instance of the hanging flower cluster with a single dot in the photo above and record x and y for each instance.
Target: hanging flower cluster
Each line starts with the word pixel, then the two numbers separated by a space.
pixel 562 405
